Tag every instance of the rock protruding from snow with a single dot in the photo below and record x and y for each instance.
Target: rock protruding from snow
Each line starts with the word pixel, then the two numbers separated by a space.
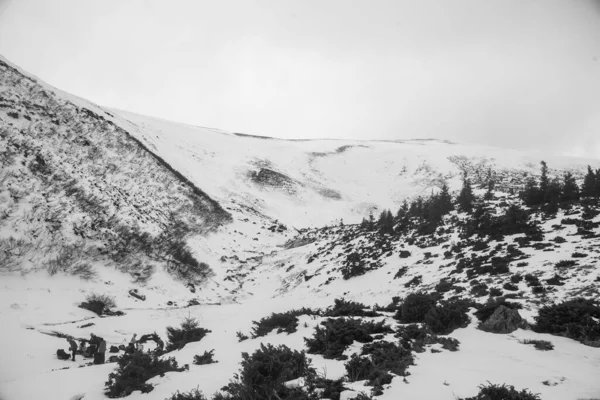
pixel 503 320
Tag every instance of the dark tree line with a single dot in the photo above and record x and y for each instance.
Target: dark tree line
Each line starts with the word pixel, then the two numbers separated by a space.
pixel 424 214
pixel 552 193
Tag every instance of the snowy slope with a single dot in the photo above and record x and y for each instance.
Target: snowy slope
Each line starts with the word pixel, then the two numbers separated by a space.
pixel 324 180
pixel 267 187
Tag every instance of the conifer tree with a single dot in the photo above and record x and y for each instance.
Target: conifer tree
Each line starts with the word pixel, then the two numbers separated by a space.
pixel 570 190
pixel 465 198
pixel 444 200
pixel 588 188
pixel 531 193
pixel 597 185
pixel 371 222
pixel 402 212
pixel 544 182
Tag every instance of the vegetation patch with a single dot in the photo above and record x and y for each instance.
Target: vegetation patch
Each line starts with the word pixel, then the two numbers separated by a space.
pixel 502 392
pixel 283 322
pixel 543 345
pixel 264 373
pixel 134 370
pixel 577 319
pixel 343 308
pixel 193 394
pixel 335 335
pixel 188 332
pixel 206 358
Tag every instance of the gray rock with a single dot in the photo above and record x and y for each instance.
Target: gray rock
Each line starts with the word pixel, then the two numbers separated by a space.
pixel 503 320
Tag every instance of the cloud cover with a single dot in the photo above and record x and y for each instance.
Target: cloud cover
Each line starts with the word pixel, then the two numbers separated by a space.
pixel 507 73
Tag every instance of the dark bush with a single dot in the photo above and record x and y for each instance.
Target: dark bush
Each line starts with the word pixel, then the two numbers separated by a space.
pixel 401 272
pixel 559 239
pixel 576 319
pixel 578 255
pixel 543 345
pixel 134 370
pixel 193 394
pixel 497 392
pixel 516 278
pixel 353 266
pixel 404 253
pixel 283 322
pixel 532 280
pixel 343 308
pixel 447 316
pixel 495 292
pixel 187 333
pixel 444 286
pixel 416 281
pixel 565 264
pixel 414 307
pixel 263 374
pixel 509 286
pixel 330 389
pixel 206 358
pixel 337 334
pixel 479 290
pixel 241 336
pixel 391 307
pixel 98 303
pixel 386 357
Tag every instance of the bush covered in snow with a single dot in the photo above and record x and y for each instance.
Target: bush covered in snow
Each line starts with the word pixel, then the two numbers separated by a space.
pixel 283 322
pixel 447 316
pixel 264 373
pixel 193 394
pixel 206 358
pixel 337 334
pixel 576 319
pixel 343 308
pixel 134 370
pixel 414 307
pixel 188 332
pixel 376 362
pixel 98 303
pixel 502 392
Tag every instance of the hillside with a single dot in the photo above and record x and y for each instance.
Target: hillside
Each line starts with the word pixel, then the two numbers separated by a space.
pixel 175 221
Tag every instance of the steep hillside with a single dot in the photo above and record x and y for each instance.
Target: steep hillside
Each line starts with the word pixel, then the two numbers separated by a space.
pixel 77 188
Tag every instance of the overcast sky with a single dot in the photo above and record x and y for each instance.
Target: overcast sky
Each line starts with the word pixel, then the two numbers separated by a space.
pixel 511 73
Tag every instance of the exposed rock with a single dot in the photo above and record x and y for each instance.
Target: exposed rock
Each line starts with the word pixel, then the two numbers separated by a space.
pixel 503 320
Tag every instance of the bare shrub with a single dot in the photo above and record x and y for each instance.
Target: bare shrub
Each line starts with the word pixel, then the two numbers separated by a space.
pixel 107 300
pixel 84 271
pixel 65 260
pixel 12 252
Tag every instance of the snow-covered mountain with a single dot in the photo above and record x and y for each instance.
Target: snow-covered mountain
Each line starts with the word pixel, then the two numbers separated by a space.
pixel 97 200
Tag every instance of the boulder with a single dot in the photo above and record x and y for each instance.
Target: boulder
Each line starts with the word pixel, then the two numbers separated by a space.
pixel 503 320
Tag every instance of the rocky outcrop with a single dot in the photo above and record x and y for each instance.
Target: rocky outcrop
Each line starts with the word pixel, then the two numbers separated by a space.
pixel 503 320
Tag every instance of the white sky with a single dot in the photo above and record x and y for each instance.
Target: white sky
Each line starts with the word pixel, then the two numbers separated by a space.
pixel 512 73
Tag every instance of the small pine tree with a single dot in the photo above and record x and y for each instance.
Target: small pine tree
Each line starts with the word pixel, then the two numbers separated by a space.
pixel 544 182
pixel 531 193
pixel 570 189
pixel 371 222
pixel 589 183
pixel 445 200
pixel 597 184
pixel 465 198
